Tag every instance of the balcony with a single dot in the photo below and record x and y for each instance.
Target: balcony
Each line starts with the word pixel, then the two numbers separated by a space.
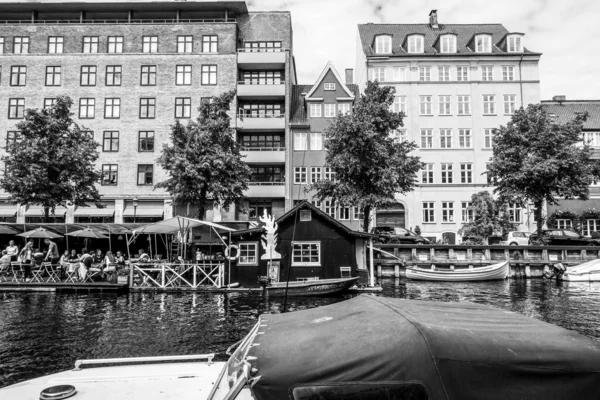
pixel 261 122
pixel 264 89
pixel 271 155
pixel 265 190
pixel 253 59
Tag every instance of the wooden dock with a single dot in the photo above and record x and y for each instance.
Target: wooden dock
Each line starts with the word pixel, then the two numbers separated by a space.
pixel 62 287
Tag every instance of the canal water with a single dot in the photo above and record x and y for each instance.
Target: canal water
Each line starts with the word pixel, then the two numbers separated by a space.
pixel 42 333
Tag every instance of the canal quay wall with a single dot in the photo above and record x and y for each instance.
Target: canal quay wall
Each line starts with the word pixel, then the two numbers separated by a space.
pixel 525 261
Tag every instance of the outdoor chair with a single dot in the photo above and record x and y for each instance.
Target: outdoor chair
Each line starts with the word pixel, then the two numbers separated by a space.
pixel 92 273
pixel 52 272
pixel 110 272
pixel 18 272
pixel 72 272
pixel 37 273
pixel 4 272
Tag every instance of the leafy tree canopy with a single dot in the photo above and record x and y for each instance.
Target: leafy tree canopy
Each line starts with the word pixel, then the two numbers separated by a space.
pixel 203 160
pixel 536 159
pixel 490 217
pixel 52 160
pixel 370 167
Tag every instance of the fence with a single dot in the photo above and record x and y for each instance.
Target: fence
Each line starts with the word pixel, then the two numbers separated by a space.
pixel 177 276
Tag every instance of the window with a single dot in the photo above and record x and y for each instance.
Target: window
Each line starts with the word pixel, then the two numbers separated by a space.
pixel 425 74
pixel 262 141
pixel 316 141
pixel 87 107
pixel 444 73
pixel 329 209
pixel 415 44
pixel 426 138
pixel 18 76
pixel 508 73
pixel 90 44
pixel 299 175
pixel 398 135
pixel 300 141
pixel 447 211
pixel 256 208
pixel 377 74
pixel 399 73
pixel 489 104
pixel 514 213
pixel 266 174
pixel 53 76
pixel 21 45
pixel 183 75
pixel 112 108
pixel 444 103
pixel 564 224
pixel 150 44
pixel 589 226
pixel 88 75
pixel 448 44
pixel 509 103
pixel 12 138
pixel 399 104
pixel 113 75
pixel 383 44
pixel 146 141
pixel 464 105
pixel 425 105
pixel 329 174
pixel 209 75
pixel 49 103
pixel 1 45
pixel 329 110
pixel 487 73
pixel 147 107
pixel 183 107
pixel 357 213
pixel 248 253
pixel 464 138
pixel 262 110
pixel 514 44
pixel 210 43
pixel 462 73
pixel 145 174
pixel 447 176
pixel 466 173
pixel 148 77
pixel 487 138
pixel 427 173
pixel 344 213
pixel 446 138
pixel 306 254
pixel 110 174
pixel 184 44
pixel 263 77
pixel 428 212
pixel 329 86
pixel 267 47
pixel 315 110
pixel 483 44
pixel 115 44
pixel 315 174
pixel 466 211
pixel 16 108
pixel 55 44
pixel 110 141
pixel 344 108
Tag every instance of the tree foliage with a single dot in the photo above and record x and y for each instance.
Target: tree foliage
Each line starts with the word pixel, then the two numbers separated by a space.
pixel 203 160
pixel 537 160
pixel 369 166
pixel 490 217
pixel 52 162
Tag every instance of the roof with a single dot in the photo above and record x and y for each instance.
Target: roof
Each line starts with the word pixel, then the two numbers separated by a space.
pixel 238 6
pixel 464 34
pixel 329 67
pixel 298 113
pixel 458 350
pixel 567 110
pixel 177 224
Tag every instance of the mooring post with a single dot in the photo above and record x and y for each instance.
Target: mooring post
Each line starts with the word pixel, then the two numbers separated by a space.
pixel 396 271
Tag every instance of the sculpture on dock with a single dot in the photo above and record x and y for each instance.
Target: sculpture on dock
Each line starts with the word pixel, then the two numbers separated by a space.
pixel 269 238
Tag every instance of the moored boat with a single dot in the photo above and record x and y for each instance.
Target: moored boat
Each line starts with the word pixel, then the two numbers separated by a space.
pixel 585 272
pixel 488 273
pixel 316 287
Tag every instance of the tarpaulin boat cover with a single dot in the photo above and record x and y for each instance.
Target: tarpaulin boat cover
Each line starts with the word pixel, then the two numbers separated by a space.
pixel 456 350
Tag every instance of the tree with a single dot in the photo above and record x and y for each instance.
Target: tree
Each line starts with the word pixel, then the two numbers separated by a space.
pixel 489 218
pixel 203 161
pixel 537 160
pixel 370 167
pixel 52 162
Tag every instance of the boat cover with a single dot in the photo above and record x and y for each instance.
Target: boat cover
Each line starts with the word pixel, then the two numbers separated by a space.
pixel 457 350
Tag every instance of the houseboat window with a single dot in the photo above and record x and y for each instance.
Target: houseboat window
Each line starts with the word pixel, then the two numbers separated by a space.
pixel 248 254
pixel 306 254
pixel 357 391
pixel 305 215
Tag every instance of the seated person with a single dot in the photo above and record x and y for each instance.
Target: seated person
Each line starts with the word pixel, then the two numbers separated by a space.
pixel 120 260
pixel 143 257
pixel 86 262
pixel 5 261
pixel 110 262
pixel 98 257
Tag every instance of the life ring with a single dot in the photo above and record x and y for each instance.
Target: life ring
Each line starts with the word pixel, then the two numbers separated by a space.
pixel 237 252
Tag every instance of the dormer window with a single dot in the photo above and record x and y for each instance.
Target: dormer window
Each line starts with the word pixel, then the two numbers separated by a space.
pixel 383 44
pixel 514 44
pixel 483 44
pixel 415 44
pixel 448 44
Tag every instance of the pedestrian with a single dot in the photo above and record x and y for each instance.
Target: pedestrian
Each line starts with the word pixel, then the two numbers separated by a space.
pixel 52 254
pixel 12 250
pixel 26 255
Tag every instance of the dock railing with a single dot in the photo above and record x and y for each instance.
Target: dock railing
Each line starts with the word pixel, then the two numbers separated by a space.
pixel 170 275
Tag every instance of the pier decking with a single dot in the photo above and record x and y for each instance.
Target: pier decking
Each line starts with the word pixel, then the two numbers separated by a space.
pixel 63 287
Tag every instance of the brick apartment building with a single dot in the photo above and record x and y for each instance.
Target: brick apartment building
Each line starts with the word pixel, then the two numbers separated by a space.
pixel 455 83
pixel 132 69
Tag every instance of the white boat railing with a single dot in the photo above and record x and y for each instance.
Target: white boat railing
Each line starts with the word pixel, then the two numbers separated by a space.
pixel 141 360
pixel 172 275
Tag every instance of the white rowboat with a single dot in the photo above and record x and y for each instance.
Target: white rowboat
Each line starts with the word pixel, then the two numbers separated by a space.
pixel 586 272
pixel 488 273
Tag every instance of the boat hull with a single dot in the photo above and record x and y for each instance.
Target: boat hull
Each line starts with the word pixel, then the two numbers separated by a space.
pixel 311 288
pixel 489 273
pixel 586 272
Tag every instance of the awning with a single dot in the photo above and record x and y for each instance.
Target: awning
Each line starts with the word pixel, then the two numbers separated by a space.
pixel 176 224
pixel 95 211
pixel 8 210
pixel 144 212
pixel 38 211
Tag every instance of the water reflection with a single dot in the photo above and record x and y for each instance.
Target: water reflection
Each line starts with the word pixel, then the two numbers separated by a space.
pixel 41 333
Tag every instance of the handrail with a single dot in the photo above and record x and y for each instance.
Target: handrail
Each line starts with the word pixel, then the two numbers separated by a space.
pixel 261 50
pixel 261 81
pixel 115 21
pixel 266 183
pixel 140 360
pixel 262 148
pixel 243 115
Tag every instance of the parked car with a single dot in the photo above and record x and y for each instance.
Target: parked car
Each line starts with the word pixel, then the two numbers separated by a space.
pixel 516 239
pixel 394 234
pixel 564 237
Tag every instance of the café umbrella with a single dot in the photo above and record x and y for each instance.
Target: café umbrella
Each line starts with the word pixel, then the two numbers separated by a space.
pixel 87 233
pixel 39 233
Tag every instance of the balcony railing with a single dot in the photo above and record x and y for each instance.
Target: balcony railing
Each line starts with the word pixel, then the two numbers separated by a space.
pixel 247 148
pixel 266 183
pixel 241 114
pixel 259 81
pixel 261 50
pixel 115 21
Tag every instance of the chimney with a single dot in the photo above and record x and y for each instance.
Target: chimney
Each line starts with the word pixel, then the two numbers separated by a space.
pixel 349 76
pixel 561 97
pixel 433 22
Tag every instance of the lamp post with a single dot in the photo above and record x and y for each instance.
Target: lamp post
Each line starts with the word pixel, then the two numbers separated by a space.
pixel 135 204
